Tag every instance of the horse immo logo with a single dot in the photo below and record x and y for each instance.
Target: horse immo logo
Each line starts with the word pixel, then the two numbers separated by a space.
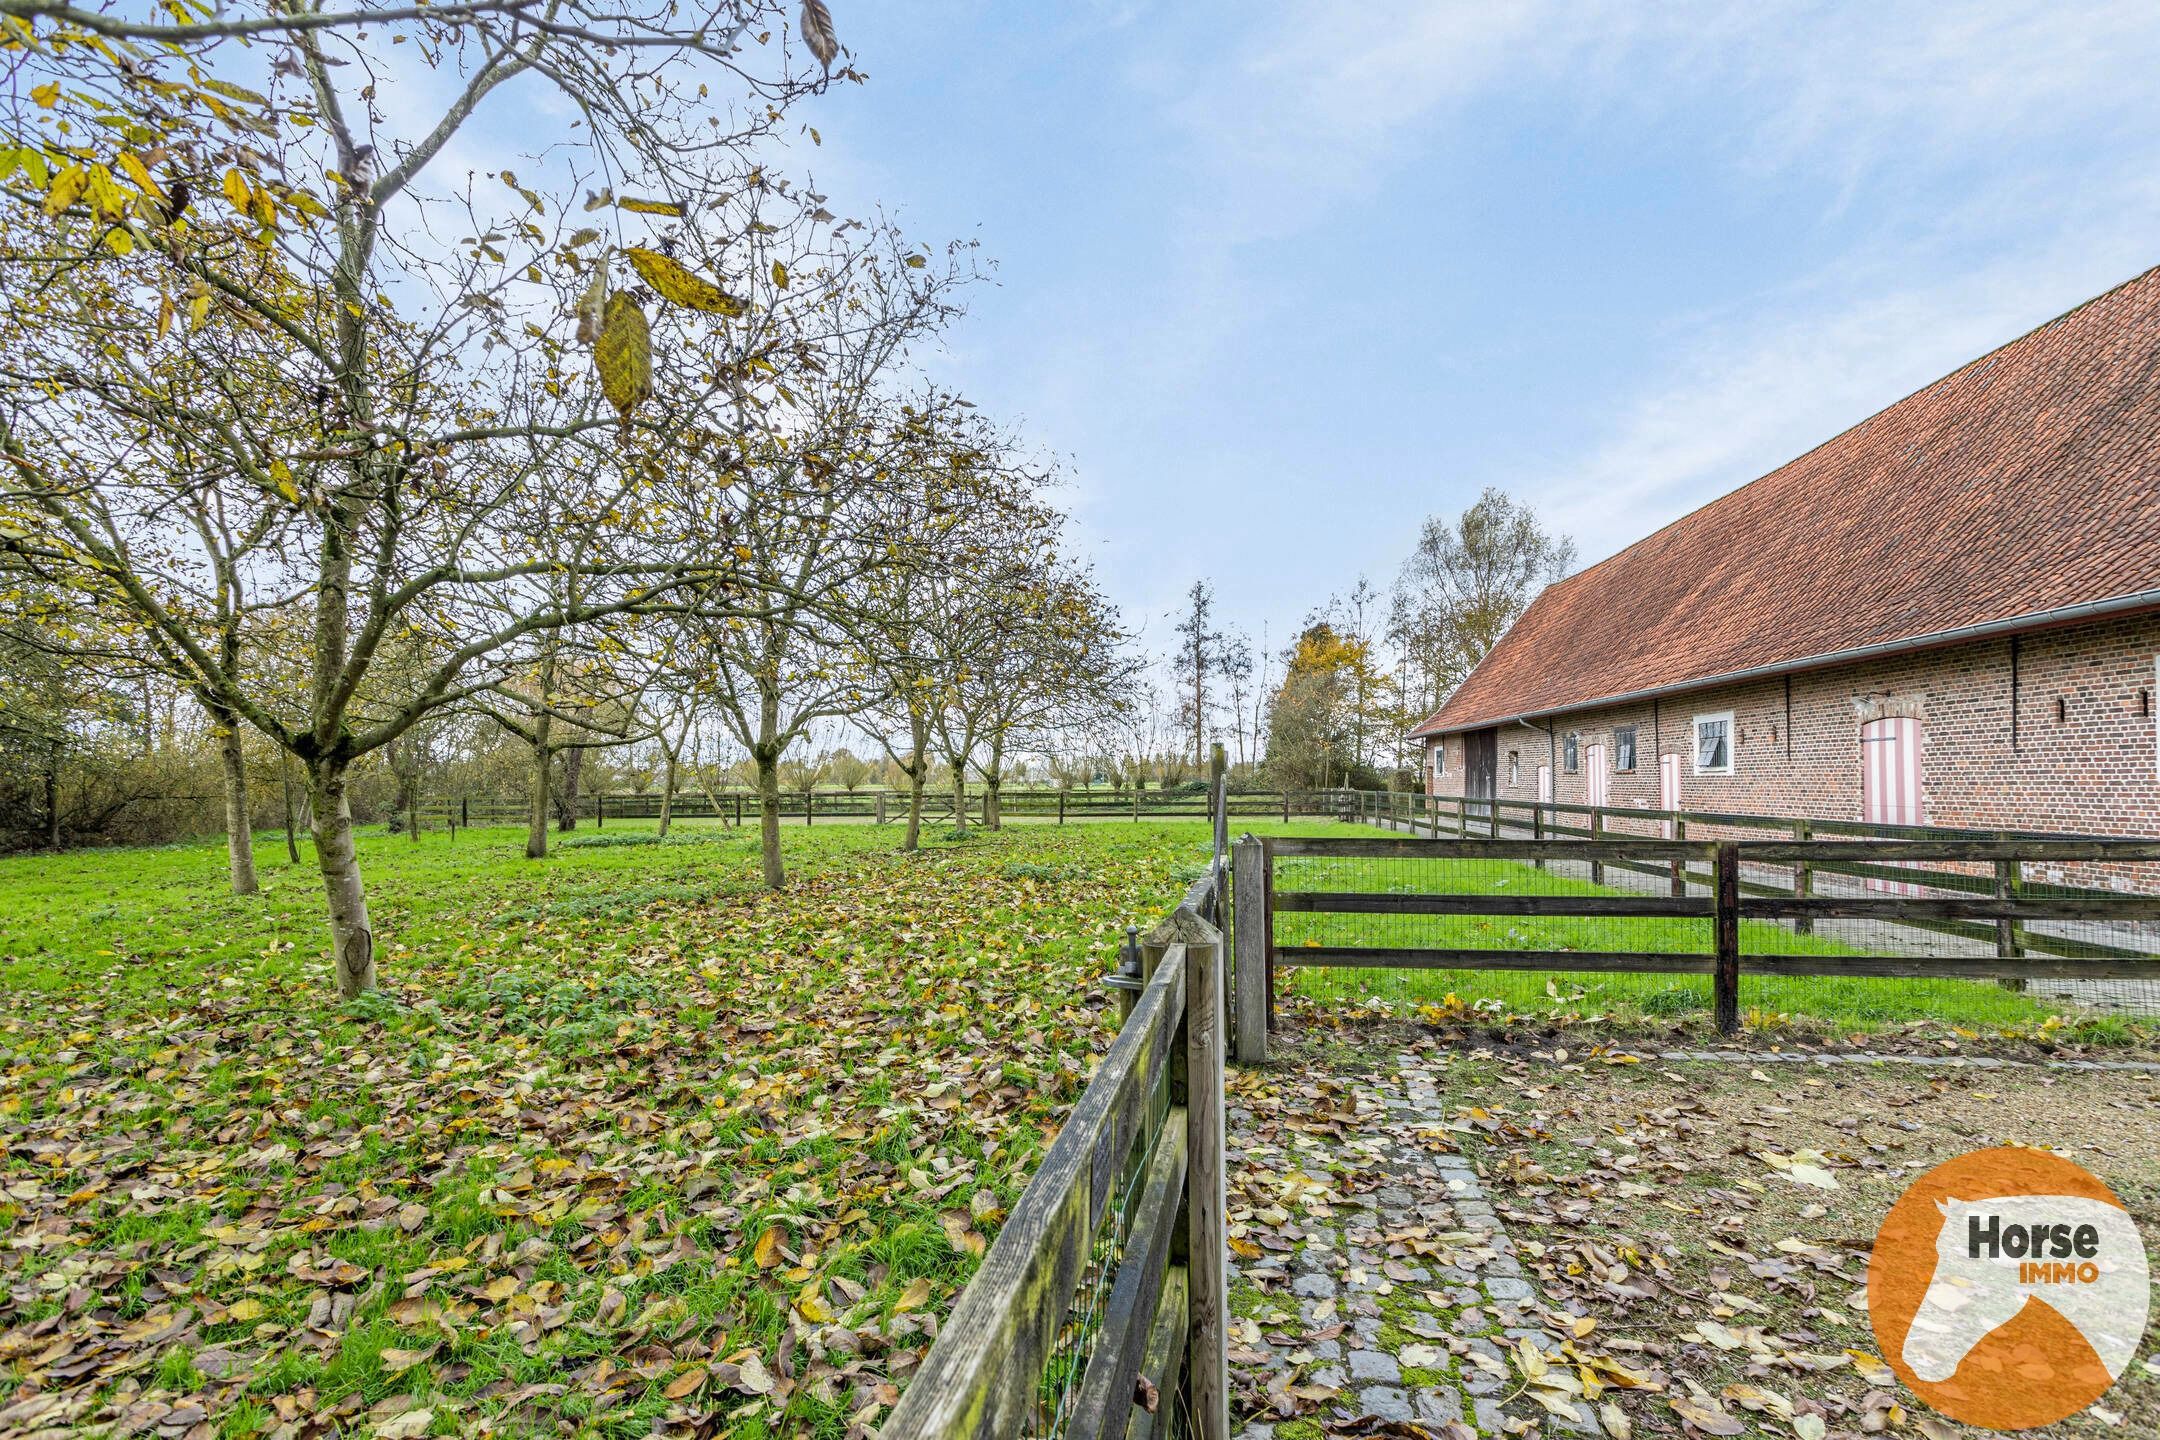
pixel 2008 1288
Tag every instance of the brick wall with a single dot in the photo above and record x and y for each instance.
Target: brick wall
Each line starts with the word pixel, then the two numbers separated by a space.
pixel 2095 771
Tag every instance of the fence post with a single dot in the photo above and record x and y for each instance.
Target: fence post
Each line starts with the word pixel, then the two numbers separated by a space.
pixel 1248 948
pixel 1136 802
pixel 1207 1356
pixel 599 809
pixel 809 806
pixel 880 798
pixel 1219 802
pixel 1725 977
pixel 1537 830
pixel 1286 807
pixel 1462 817
pixel 465 811
pixel 1597 832
pixel 738 809
pixel 1803 878
pixel 2009 884
pixel 1679 867
pixel 1061 807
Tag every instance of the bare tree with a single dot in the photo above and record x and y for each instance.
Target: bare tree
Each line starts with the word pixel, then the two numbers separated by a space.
pixel 1464 585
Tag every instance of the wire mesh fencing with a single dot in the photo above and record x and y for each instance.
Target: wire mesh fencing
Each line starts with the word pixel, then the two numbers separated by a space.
pixel 1986 934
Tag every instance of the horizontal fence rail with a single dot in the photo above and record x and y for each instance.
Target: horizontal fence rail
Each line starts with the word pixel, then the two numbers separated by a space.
pixel 1715 907
pixel 885 807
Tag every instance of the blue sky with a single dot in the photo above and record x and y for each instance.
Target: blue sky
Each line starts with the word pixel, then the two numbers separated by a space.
pixel 1277 279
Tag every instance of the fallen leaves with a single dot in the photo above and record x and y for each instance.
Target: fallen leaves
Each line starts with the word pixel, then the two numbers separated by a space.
pixel 613 1141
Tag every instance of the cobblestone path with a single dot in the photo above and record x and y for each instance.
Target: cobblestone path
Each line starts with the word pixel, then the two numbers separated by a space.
pixel 1395 1293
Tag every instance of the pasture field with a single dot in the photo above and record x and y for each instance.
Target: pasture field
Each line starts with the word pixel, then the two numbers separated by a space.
pixel 624 1140
pixel 625 1143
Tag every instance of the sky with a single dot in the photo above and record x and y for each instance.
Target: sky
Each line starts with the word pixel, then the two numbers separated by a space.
pixel 1275 281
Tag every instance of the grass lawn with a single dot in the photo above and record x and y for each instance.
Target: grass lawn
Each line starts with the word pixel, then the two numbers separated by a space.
pixel 1847 1004
pixel 625 1140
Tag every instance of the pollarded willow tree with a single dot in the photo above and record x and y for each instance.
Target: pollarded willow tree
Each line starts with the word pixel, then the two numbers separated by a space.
pixel 183 220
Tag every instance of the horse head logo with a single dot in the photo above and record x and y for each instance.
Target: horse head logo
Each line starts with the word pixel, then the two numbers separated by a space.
pixel 2079 1256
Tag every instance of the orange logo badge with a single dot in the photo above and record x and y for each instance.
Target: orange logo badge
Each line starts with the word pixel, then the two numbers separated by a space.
pixel 2008 1288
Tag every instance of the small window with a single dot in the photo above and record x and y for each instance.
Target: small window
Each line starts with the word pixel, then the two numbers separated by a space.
pixel 1439 758
pixel 1623 747
pixel 1571 753
pixel 1514 769
pixel 1713 744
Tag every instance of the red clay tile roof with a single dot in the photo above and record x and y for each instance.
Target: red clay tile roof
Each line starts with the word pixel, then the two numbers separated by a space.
pixel 2026 482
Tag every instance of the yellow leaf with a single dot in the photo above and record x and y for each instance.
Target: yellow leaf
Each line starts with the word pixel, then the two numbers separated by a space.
pixel 686 1382
pixel 236 191
pixel 651 207
pixel 914 1297
pixel 679 285
pixel 502 1287
pixel 812 1306
pixel 47 95
pixel 767 1252
pixel 132 166
pixel 916 262
pixel 779 274
pixel 623 354
pixel 246 1310
pixel 234 92
pixel 67 188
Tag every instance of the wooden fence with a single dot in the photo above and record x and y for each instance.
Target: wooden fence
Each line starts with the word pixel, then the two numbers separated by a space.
pixel 1100 1311
pixel 2005 915
pixel 885 807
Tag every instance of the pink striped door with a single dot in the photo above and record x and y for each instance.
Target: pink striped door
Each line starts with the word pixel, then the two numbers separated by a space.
pixel 1890 781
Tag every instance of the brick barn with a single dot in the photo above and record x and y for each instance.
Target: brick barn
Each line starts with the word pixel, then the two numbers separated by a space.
pixel 1947 615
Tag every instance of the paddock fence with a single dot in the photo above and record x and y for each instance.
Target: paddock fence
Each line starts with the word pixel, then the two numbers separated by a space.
pixel 1377 908
pixel 1100 1312
pixel 886 807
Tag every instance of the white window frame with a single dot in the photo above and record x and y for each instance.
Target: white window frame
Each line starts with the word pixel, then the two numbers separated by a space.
pixel 1514 769
pixel 1439 758
pixel 1732 737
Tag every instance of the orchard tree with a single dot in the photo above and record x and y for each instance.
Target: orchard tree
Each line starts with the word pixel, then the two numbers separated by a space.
pixel 174 207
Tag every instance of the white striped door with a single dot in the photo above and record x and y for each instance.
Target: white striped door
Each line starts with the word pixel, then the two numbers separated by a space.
pixel 1890 781
pixel 1597 780
pixel 1544 784
pixel 1668 787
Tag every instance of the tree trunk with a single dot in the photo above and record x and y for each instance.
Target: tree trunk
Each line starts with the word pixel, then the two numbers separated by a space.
pixel 352 941
pixel 566 807
pixel 994 789
pixel 537 817
pixel 52 796
pixel 768 787
pixel 292 837
pixel 239 825
pixel 667 796
pixel 912 840
pixel 959 793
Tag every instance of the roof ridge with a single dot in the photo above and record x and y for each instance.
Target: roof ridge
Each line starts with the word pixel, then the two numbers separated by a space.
pixel 1987 357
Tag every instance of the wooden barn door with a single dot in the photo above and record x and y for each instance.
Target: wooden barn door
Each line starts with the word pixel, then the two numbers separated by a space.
pixel 1481 763
pixel 1890 781
pixel 1668 787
